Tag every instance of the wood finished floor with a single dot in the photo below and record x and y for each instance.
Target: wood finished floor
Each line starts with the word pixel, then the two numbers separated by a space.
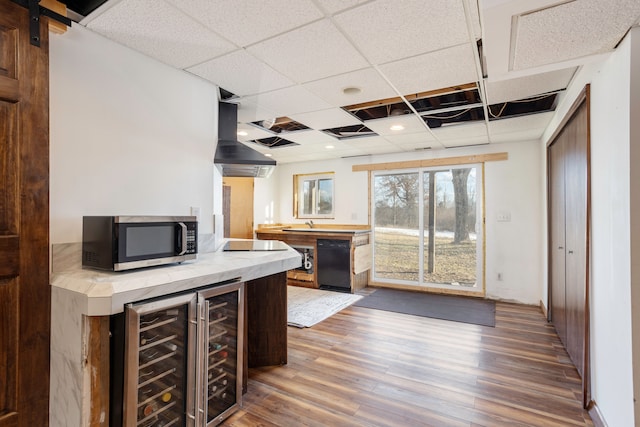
pixel 365 367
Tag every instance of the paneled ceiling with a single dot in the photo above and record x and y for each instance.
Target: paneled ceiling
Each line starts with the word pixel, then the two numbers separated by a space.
pixel 322 79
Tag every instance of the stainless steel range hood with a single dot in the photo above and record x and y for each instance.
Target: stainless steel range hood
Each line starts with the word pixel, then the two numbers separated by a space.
pixel 232 157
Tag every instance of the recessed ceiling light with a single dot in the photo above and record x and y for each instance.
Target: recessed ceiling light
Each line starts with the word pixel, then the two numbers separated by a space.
pixel 268 155
pixel 397 127
pixel 351 90
pixel 243 133
pixel 329 147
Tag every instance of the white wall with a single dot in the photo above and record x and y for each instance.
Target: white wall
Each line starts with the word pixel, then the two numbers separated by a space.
pixel 611 234
pixel 514 186
pixel 267 192
pixel 350 193
pixel 129 135
pixel 634 161
pixel 610 282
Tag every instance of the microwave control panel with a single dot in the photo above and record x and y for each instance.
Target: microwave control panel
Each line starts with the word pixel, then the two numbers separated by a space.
pixel 192 237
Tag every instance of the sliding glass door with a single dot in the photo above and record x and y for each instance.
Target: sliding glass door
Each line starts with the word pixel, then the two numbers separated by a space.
pixel 428 227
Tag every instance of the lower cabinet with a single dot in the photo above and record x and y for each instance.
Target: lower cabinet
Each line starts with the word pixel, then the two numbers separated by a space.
pixel 330 259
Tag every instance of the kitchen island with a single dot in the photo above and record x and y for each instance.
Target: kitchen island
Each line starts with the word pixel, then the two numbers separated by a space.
pixel 83 302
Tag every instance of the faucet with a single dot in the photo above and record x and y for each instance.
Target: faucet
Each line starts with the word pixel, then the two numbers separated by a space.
pixel 309 223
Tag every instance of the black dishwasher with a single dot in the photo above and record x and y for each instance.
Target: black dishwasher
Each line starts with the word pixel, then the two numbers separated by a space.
pixel 334 264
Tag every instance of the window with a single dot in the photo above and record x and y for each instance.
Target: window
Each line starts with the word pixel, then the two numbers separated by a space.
pixel 427 227
pixel 313 195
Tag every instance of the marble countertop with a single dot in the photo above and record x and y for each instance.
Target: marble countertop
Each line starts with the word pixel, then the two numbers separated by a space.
pixel 104 293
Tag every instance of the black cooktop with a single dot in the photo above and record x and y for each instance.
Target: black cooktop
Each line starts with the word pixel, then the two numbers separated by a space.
pixel 254 245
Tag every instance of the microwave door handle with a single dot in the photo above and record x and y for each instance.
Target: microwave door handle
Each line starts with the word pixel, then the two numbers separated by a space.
pixel 183 236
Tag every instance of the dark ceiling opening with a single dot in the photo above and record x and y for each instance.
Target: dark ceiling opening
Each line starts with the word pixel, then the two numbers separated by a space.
pixel 274 141
pixel 281 124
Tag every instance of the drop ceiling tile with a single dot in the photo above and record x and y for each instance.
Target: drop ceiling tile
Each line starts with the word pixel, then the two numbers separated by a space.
pixel 249 21
pixel 466 142
pixel 417 146
pixel 387 149
pixel 289 101
pixel 346 151
pixel 526 87
pixel 366 143
pixel 571 30
pixel 444 68
pixel 515 124
pixel 410 122
pixel 521 135
pixel 315 51
pixel 460 131
pixel 252 132
pixel 158 30
pixel 334 6
pixel 387 31
pixel 326 119
pixel 241 74
pixel 524 128
pixel 295 150
pixel 372 86
pixel 285 160
pixel 251 112
pixel 306 137
pixel 304 153
pixel 256 146
pixel 413 140
pixel 282 159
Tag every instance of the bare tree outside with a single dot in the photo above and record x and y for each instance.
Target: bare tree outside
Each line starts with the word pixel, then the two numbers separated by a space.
pixel 396 199
pixel 460 177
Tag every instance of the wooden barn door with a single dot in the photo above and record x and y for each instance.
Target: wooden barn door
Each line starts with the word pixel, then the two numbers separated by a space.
pixel 24 221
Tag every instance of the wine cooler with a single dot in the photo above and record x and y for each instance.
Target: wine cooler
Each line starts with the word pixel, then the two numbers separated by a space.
pixel 183 358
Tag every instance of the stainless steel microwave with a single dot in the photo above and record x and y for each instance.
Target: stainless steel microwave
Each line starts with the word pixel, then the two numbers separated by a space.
pixel 126 242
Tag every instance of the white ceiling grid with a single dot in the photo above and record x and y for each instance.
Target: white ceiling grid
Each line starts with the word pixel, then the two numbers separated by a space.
pixel 294 58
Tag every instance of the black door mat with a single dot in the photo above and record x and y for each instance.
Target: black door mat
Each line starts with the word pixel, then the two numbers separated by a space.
pixel 447 307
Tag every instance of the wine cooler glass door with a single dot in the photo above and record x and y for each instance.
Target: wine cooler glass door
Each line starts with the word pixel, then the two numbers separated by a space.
pixel 223 319
pixel 159 353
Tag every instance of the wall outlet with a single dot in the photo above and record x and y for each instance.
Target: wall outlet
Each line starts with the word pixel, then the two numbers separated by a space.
pixel 504 216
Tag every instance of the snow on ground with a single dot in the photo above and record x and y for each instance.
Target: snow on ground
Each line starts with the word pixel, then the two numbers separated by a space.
pixel 414 232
